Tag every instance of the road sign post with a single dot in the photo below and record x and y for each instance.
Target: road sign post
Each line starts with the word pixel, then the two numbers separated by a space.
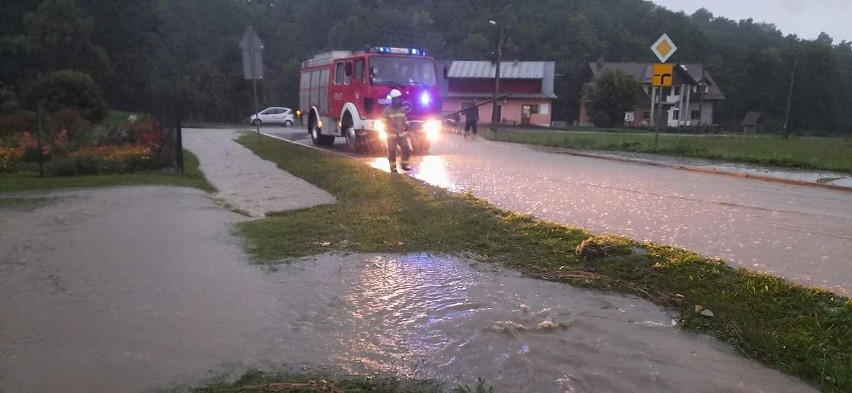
pixel 663 77
pixel 252 64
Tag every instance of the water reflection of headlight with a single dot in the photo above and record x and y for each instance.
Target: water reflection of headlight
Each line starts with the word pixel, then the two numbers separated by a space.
pixel 380 128
pixel 433 130
pixel 433 170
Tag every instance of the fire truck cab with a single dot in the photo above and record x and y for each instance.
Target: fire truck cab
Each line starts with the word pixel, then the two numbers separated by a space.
pixel 343 94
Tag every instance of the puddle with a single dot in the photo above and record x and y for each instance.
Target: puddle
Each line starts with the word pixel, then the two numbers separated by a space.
pixel 134 289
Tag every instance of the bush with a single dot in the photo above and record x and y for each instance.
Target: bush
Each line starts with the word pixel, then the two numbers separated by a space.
pixel 66 89
pixel 60 167
pixel 12 125
pixel 602 120
pixel 70 125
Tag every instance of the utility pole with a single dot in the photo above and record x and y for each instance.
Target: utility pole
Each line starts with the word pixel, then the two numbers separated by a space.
pixel 701 95
pixel 790 94
pixel 495 115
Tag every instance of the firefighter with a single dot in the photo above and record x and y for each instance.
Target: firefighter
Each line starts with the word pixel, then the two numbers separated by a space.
pixel 397 130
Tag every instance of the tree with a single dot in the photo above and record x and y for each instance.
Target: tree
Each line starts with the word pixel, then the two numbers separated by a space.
pixel 611 94
pixel 183 53
pixel 59 36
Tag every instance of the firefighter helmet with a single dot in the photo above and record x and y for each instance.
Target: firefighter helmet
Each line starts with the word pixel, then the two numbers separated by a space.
pixel 394 94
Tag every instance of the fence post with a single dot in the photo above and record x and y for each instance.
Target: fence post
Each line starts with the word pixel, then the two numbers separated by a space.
pixel 38 143
pixel 179 146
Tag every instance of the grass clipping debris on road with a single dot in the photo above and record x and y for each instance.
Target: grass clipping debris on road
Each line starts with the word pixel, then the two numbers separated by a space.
pixel 801 331
pixel 257 382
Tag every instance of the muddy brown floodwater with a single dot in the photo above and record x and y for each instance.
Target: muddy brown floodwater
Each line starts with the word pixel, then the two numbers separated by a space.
pixel 140 288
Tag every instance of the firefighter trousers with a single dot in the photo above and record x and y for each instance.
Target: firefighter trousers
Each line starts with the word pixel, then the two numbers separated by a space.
pixel 402 141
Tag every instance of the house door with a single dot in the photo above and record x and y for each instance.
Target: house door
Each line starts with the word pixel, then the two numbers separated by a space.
pixel 526 113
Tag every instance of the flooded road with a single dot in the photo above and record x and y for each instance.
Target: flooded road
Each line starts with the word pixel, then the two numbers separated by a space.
pixel 800 233
pixel 138 288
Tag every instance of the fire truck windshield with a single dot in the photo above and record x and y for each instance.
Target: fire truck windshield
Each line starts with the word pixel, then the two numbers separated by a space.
pixel 392 71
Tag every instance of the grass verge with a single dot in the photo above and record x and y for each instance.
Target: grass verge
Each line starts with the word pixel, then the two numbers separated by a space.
pixel 801 331
pixel 257 382
pixel 822 153
pixel 192 177
pixel 13 203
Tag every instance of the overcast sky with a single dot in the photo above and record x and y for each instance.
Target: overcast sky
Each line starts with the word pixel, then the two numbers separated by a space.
pixel 805 18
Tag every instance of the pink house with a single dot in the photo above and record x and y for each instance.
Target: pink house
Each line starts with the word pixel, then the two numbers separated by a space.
pixel 529 82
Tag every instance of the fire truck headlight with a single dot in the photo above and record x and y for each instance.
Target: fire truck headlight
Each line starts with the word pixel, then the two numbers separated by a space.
pixel 425 99
pixel 379 126
pixel 433 130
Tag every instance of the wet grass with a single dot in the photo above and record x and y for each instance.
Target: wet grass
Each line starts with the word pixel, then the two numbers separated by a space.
pixel 257 382
pixel 30 181
pixel 821 153
pixel 16 203
pixel 801 331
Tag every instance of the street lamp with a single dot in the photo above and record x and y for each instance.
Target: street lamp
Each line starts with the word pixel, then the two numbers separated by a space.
pixel 495 116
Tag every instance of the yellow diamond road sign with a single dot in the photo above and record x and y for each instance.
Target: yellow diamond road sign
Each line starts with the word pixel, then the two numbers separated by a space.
pixel 663 48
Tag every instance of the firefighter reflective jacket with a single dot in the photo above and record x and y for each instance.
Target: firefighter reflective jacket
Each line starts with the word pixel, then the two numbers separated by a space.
pixel 394 120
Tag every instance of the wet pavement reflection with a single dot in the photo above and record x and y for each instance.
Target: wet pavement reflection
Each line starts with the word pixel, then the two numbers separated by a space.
pixel 797 232
pixel 800 233
pixel 133 289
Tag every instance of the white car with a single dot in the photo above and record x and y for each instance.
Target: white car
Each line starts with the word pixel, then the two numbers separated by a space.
pixel 273 115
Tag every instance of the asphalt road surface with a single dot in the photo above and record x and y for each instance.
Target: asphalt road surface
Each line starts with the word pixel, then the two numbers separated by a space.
pixel 797 232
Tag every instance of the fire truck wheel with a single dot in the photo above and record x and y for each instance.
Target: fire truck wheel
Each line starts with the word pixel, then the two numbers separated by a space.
pixel 317 136
pixel 353 142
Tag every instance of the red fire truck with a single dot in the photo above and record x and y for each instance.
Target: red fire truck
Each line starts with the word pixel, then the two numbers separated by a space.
pixel 343 93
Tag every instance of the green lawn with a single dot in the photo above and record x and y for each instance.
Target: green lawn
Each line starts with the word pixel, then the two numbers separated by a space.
pixel 824 153
pixel 801 331
pixel 29 181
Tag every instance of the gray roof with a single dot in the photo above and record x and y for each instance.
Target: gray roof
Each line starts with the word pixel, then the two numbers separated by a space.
pixel 536 70
pixel 508 69
pixel 751 119
pixel 643 72
pixel 544 95
pixel 639 71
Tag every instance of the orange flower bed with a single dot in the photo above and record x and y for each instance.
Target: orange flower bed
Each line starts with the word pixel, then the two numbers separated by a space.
pixel 115 158
pixel 9 158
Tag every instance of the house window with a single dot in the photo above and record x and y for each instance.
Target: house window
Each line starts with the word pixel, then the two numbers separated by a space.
pixel 675 115
pixel 646 115
pixel 338 73
pixel 533 109
pixel 706 89
pixel 544 109
pixel 676 91
pixel 696 115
